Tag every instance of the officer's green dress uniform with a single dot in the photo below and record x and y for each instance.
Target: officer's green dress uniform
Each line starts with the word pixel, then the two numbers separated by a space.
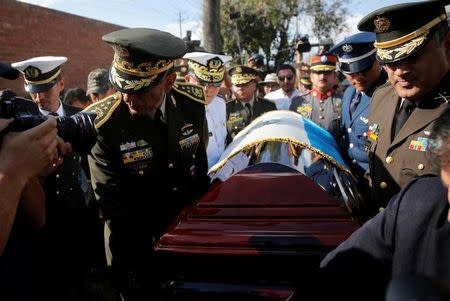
pixel 394 160
pixel 145 170
pixel 238 116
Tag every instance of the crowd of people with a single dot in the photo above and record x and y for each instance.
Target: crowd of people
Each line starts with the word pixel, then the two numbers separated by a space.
pixel 82 225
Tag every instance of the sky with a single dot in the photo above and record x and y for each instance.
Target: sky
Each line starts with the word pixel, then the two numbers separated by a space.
pixel 166 14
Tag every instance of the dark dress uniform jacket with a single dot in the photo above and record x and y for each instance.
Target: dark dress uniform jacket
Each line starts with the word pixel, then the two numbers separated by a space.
pixel 144 172
pixel 393 163
pixel 355 126
pixel 69 244
pixel 410 237
pixel 238 118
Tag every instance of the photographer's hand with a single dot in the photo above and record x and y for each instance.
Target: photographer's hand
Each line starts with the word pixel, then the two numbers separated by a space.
pixel 26 154
pixel 64 149
pixel 22 156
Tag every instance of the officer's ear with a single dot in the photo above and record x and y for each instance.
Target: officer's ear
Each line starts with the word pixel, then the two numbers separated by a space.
pixel 169 80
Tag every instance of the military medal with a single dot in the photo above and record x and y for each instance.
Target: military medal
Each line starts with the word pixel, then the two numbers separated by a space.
pixel 421 144
pixel 373 131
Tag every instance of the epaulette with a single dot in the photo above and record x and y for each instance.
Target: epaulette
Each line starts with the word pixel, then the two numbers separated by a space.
pixel 194 92
pixel 231 99
pixel 104 108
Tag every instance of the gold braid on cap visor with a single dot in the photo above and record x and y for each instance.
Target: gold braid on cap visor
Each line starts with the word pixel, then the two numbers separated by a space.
pixel 415 34
pixel 213 75
pixel 145 69
pixel 323 68
pixel 44 81
pixel 242 78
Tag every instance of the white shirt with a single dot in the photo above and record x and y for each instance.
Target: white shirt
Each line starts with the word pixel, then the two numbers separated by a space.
pixel 60 111
pixel 280 99
pixel 217 130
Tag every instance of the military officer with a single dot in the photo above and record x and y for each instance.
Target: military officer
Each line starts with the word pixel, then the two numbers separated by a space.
pixel 207 70
pixel 413 44
pixel 409 237
pixel 181 71
pixel 356 59
pixel 150 157
pixel 69 243
pixel 322 104
pixel 245 106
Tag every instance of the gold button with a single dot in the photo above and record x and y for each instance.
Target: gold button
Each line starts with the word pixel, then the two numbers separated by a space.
pixel 389 160
pixel 57 176
pixel 351 145
pixel 193 156
pixel 321 109
pixel 420 166
pixel 174 189
pixel 170 165
pixel 141 172
pixel 349 130
pixel 321 117
pixel 383 185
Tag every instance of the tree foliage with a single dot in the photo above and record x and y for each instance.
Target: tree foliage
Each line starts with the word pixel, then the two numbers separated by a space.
pixel 266 25
pixel 328 16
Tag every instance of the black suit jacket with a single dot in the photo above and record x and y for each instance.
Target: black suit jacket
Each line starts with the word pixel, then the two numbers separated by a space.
pixel 238 118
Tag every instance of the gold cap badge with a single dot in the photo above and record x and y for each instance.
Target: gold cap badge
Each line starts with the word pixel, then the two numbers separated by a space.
pixel 382 24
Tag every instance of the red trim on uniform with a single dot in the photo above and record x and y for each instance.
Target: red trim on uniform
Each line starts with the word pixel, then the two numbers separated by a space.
pixel 322 96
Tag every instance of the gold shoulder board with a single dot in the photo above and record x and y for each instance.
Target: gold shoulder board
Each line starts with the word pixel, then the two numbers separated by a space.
pixel 231 99
pixel 194 92
pixel 104 108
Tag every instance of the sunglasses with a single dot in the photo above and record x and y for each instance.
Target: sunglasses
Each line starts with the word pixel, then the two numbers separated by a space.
pixel 282 78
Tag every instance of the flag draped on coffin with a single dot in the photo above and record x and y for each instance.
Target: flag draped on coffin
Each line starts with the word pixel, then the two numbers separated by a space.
pixel 283 126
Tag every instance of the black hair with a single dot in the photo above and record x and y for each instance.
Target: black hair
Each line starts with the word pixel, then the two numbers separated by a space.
pixel 284 67
pixel 75 94
pixel 440 138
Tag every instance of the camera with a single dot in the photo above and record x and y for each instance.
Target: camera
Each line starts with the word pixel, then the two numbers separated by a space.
pixel 303 44
pixel 78 129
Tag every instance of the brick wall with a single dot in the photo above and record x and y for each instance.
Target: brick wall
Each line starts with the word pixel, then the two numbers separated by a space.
pixel 27 31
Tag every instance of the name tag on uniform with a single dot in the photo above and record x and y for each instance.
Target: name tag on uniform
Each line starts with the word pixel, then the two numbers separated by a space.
pixel 421 144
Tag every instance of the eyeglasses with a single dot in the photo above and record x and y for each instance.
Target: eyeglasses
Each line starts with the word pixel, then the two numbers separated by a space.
pixel 282 78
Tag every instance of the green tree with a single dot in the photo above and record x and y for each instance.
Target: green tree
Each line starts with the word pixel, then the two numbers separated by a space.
pixel 328 16
pixel 265 25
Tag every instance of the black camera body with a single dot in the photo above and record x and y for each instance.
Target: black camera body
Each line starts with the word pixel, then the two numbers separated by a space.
pixel 78 129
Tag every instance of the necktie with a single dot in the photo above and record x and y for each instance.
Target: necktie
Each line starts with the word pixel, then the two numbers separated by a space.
pixel 354 104
pixel 405 111
pixel 248 107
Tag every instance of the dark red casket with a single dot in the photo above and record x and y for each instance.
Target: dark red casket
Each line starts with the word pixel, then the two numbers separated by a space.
pixel 260 233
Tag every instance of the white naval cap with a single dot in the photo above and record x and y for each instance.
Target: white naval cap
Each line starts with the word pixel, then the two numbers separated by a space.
pixel 207 67
pixel 204 57
pixel 40 73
